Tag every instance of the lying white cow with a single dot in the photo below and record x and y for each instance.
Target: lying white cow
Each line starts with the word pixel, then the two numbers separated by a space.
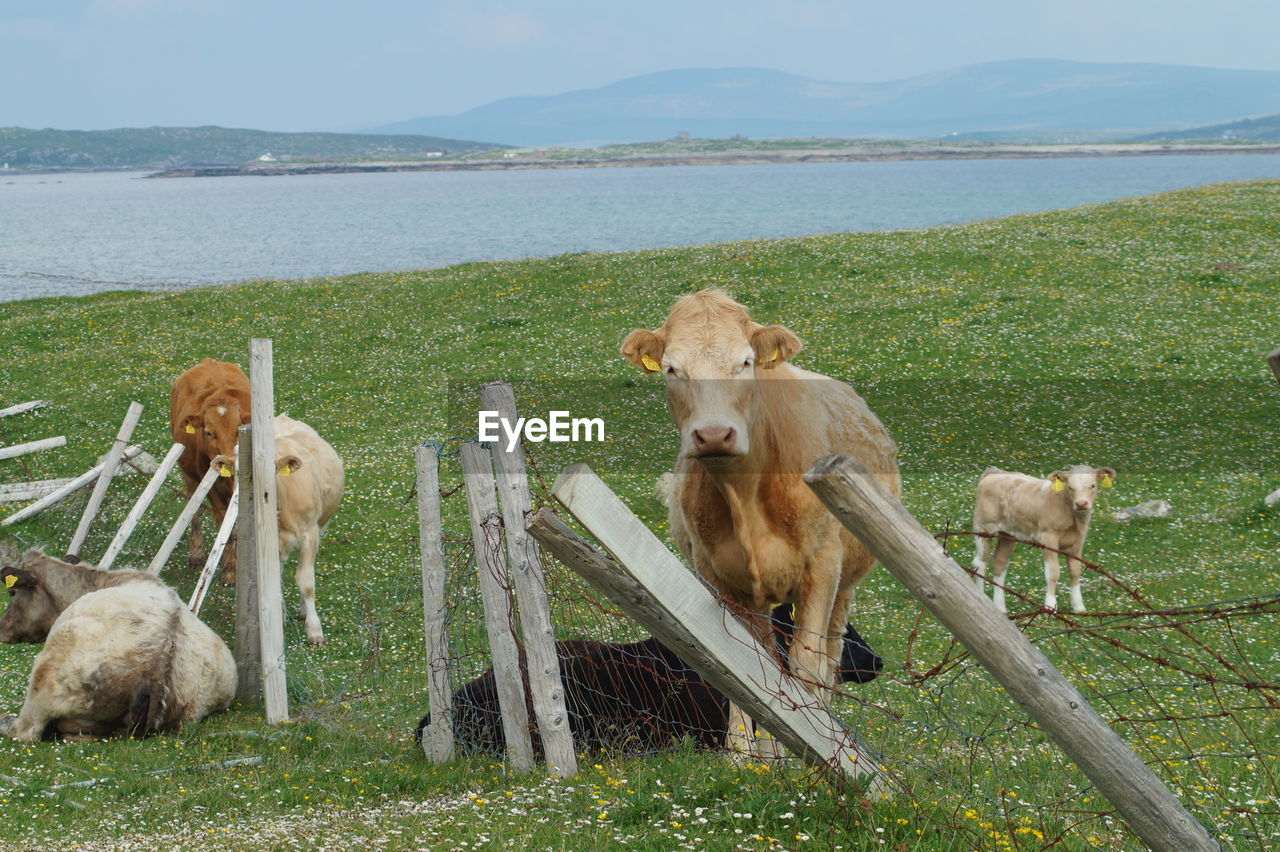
pixel 122 654
pixel 309 482
pixel 1054 512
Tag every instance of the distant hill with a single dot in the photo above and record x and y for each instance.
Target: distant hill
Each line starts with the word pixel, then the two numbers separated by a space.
pixel 168 147
pixel 1030 98
pixel 1264 129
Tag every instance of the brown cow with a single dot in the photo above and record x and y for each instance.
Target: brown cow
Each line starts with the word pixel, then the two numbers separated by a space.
pixel 122 654
pixel 750 425
pixel 207 405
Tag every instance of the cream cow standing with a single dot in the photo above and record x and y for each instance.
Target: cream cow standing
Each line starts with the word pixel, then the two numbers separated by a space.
pixel 750 425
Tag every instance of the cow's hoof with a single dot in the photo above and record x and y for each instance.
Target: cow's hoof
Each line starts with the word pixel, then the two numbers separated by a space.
pixel 196 560
pixel 315 641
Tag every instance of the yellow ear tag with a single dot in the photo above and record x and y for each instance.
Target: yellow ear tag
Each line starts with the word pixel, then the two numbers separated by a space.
pixel 1058 484
pixel 191 430
pixel 224 471
pixel 1107 482
pixel 651 365
pixel 9 581
pixel 285 471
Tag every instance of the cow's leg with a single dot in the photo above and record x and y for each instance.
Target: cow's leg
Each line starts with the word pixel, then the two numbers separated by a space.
pixel 1073 570
pixel 305 577
pixel 1051 572
pixel 980 562
pixel 1000 570
pixel 30 723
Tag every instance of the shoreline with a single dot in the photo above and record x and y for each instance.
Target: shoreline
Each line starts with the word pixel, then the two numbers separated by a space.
pixel 856 155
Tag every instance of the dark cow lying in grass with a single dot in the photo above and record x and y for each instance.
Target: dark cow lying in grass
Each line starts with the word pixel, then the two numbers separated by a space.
pixel 636 697
pixel 122 654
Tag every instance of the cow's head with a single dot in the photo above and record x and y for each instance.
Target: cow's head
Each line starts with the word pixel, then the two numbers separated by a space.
pixel 216 429
pixel 709 351
pixel 32 608
pixel 1081 484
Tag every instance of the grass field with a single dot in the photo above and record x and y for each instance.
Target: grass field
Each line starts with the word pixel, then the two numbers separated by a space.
pixel 1130 334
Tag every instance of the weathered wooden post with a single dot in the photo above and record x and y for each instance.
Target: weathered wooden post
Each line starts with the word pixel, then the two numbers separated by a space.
pixel 499 620
pixel 184 517
pixel 437 737
pixel 140 506
pixel 15 450
pixel 248 633
pixel 69 488
pixel 916 559
pixel 654 587
pixel 22 407
pixel 110 464
pixel 265 530
pixel 214 557
pixel 545 686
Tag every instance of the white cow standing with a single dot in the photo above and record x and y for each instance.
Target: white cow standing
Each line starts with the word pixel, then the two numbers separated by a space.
pixel 1054 512
pixel 309 484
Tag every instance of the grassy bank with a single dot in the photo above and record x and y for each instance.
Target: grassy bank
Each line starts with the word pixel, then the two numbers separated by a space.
pixel 1130 334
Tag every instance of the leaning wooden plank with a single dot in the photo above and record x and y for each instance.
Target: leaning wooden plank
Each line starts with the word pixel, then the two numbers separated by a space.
pixel 32 447
pixel 104 481
pixel 266 530
pixel 17 491
pixel 184 517
pixel 654 587
pixel 916 559
pixel 22 407
pixel 499 621
pixel 437 737
pixel 140 506
pixel 70 488
pixel 545 687
pixel 215 553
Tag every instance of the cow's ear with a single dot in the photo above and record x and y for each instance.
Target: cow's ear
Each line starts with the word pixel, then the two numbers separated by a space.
pixel 287 465
pixel 774 344
pixel 1058 480
pixel 191 424
pixel 1106 476
pixel 644 348
pixel 18 578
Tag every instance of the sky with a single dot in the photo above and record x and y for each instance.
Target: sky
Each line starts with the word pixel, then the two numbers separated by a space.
pixel 294 65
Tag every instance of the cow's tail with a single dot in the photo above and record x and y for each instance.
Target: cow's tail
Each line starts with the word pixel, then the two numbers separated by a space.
pixel 151 711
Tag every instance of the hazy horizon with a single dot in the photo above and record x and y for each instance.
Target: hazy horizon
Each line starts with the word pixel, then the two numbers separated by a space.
pixel 318 66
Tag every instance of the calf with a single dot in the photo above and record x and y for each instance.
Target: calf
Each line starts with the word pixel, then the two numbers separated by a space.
pixel 309 483
pixel 207 406
pixel 637 697
pixel 122 655
pixel 1054 512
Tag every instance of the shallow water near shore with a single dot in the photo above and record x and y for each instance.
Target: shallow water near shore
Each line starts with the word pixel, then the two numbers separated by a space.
pixel 75 234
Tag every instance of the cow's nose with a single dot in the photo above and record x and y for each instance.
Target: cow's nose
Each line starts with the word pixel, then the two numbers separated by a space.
pixel 714 439
pixel 1082 504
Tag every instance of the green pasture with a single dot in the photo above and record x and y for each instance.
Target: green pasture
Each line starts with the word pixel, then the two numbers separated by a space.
pixel 1129 334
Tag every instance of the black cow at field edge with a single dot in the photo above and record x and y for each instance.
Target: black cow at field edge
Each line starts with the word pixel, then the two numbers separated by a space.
pixel 636 697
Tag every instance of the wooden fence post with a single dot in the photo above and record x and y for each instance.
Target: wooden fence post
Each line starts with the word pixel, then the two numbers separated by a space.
pixel 15 450
pixel 499 620
pixel 71 487
pixel 110 464
pixel 916 559
pixel 22 407
pixel 184 519
pixel 214 559
pixel 266 532
pixel 140 506
pixel 545 686
pixel 437 737
pixel 14 492
pixel 248 633
pixel 654 587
